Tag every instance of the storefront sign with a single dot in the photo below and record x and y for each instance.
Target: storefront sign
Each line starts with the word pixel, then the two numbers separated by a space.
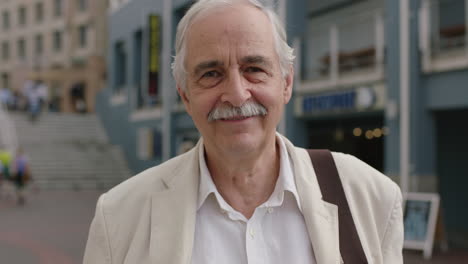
pixel 350 100
pixel 420 219
pixel 154 54
pixel 329 102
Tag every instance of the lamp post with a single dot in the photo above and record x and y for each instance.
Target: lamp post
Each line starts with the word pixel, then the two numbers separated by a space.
pixel 404 96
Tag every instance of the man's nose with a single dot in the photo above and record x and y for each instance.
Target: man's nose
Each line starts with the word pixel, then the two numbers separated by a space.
pixel 236 90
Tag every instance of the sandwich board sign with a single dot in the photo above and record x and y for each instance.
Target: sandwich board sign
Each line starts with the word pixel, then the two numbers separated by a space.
pixel 420 211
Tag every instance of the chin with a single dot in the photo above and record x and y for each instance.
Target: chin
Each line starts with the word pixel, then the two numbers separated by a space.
pixel 241 143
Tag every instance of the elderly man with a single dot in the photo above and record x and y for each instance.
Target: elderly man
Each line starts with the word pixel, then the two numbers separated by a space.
pixel 244 194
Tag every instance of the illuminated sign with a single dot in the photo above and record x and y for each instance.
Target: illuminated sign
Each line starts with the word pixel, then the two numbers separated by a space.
pixel 356 99
pixel 154 54
pixel 329 102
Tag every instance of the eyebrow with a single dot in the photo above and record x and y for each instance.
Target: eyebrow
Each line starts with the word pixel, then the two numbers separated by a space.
pixel 257 59
pixel 254 59
pixel 202 66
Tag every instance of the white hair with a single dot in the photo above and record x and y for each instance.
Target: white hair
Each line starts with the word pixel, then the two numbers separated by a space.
pixel 284 51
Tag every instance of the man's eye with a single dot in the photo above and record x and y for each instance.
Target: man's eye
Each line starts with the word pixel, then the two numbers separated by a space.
pixel 211 74
pixel 253 69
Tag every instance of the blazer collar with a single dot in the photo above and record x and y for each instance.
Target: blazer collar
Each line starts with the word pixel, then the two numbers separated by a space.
pixel 173 213
pixel 321 217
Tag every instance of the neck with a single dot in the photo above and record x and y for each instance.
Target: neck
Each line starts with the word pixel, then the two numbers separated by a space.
pixel 246 181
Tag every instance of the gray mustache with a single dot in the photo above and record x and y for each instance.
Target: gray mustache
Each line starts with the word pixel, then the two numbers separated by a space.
pixel 246 110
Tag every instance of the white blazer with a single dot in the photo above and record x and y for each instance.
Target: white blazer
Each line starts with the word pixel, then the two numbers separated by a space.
pixel 150 218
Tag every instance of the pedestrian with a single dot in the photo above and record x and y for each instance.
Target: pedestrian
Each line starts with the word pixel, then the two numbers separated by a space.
pixel 244 193
pixel 5 98
pixel 43 94
pixel 5 159
pixel 1 178
pixel 33 97
pixel 22 175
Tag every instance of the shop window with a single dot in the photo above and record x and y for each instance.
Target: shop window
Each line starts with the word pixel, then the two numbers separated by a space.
pixel 120 72
pixel 451 33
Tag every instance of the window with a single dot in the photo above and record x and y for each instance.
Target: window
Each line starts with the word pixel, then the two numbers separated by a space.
pixel 82 5
pixel 58 8
pixel 21 48
pixel 39 48
pixel 82 35
pixel 22 16
pixel 149 143
pixel 57 41
pixel 120 65
pixel 6 20
pixel 39 12
pixel 137 68
pixel 5 51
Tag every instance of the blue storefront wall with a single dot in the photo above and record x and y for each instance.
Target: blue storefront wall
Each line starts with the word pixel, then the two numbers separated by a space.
pixel 116 117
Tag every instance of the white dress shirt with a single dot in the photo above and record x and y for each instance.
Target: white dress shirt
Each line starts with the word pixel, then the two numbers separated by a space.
pixel 275 234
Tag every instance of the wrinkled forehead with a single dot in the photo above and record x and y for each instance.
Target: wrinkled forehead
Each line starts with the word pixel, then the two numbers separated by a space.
pixel 238 24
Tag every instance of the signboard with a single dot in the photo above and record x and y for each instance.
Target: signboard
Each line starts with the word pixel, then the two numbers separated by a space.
pixel 358 99
pixel 154 55
pixel 420 211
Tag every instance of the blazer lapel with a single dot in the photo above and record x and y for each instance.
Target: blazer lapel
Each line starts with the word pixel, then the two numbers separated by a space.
pixel 173 214
pixel 322 225
pixel 320 217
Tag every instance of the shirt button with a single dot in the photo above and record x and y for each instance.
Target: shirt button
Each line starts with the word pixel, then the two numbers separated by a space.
pixel 223 211
pixel 270 210
pixel 252 232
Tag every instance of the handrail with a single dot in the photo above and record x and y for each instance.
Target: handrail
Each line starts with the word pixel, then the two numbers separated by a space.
pixel 7 130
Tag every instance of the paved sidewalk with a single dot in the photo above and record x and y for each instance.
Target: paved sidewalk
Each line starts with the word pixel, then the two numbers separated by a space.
pixel 453 256
pixel 52 228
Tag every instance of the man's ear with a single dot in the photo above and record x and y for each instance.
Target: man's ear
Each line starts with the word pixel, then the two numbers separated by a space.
pixel 288 85
pixel 185 98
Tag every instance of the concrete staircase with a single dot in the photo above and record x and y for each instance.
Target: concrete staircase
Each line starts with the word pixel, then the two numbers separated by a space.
pixel 70 151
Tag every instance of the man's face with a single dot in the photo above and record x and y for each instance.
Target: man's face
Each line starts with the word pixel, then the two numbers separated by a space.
pixel 231 60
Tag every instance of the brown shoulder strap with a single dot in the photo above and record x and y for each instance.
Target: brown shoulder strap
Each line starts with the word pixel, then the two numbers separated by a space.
pixel 332 192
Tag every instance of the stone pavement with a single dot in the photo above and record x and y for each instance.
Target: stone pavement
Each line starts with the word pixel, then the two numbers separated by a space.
pixel 453 256
pixel 52 228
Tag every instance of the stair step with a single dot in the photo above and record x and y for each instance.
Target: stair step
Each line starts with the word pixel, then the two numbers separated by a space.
pixel 70 151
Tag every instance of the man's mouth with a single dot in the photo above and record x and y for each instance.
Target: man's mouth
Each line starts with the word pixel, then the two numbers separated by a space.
pixel 235 118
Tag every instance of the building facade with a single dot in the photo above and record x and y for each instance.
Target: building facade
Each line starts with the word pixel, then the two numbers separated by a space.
pixel 59 42
pixel 387 84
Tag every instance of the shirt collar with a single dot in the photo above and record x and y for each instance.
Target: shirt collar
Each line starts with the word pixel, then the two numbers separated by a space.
pixel 284 183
